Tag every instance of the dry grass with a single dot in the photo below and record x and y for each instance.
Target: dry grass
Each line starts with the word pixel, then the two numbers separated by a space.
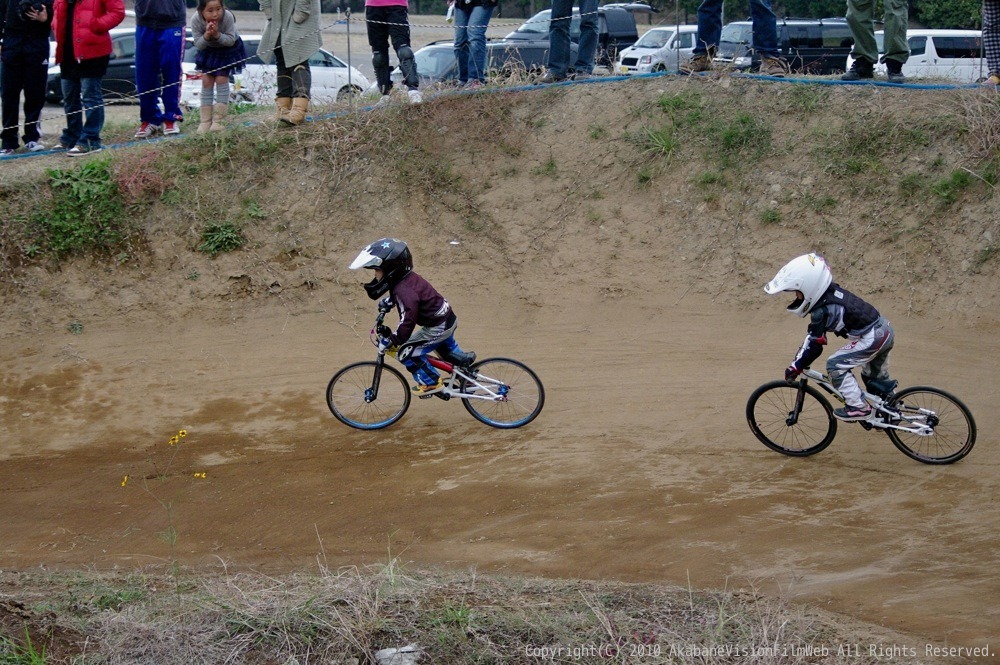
pixel 349 615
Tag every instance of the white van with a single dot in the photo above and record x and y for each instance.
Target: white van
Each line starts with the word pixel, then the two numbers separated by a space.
pixel 661 49
pixel 955 56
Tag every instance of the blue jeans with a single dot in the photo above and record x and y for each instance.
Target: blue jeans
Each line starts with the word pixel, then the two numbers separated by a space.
pixel 559 39
pixel 470 41
pixel 765 27
pixel 82 98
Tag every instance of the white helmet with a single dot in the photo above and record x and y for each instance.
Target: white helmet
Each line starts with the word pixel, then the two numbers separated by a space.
pixel 807 274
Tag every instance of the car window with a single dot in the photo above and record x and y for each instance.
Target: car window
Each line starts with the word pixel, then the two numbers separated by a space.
pixel 434 63
pixel 687 40
pixel 737 34
pixel 957 47
pixel 837 36
pixel 123 47
pixel 320 59
pixel 539 25
pixel 803 36
pixel 918 45
pixel 654 39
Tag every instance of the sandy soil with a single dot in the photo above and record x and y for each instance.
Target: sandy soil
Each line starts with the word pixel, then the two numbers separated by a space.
pixel 640 467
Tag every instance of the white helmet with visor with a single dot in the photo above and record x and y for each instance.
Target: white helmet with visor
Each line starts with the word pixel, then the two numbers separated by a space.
pixel 808 275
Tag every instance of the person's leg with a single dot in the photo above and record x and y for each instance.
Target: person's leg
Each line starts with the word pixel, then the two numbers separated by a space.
pixel 559 49
pixel 10 93
pixel 991 36
pixel 378 40
pixel 765 29
pixel 859 18
pixel 72 106
pixel 93 105
pixel 221 108
pixel 875 373
pixel 171 54
pixel 896 20
pixel 479 21
pixel 147 74
pixel 709 28
pixel 588 37
pixel 36 78
pixel 856 354
pixel 399 33
pixel 462 46
pixel 207 105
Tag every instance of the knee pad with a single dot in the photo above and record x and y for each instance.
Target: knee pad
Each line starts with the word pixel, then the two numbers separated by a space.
pixel 380 62
pixel 408 66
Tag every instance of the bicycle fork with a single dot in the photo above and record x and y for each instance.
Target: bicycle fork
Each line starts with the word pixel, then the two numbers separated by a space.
pixel 372 393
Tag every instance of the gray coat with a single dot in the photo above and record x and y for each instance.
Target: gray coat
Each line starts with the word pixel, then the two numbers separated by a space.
pixel 296 23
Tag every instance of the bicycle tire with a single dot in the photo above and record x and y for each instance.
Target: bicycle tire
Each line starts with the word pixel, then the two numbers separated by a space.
pixel 525 395
pixel 345 395
pixel 954 429
pixel 767 414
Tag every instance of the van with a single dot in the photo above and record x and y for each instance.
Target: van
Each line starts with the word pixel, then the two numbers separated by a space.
pixel 809 46
pixel 661 49
pixel 953 55
pixel 616 29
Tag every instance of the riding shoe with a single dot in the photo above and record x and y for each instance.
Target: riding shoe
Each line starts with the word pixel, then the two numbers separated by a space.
pixel 852 413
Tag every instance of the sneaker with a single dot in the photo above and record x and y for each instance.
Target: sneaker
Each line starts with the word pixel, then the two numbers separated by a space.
pixel 698 63
pixel 861 69
pixel 146 130
pixel 581 76
pixel 170 127
pixel 894 71
pixel 414 96
pixel 6 151
pixel 421 389
pixel 61 147
pixel 80 150
pixel 851 413
pixel 34 146
pixel 550 78
pixel 993 80
pixel 773 67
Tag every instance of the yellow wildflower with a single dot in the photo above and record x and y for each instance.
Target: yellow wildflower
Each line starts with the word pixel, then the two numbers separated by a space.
pixel 199 474
pixel 125 480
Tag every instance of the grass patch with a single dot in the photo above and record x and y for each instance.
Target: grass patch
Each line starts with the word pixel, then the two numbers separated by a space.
pixel 220 237
pixel 948 189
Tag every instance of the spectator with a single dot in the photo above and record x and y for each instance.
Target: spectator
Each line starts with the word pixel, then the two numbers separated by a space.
pixel 865 51
pixel 83 50
pixel 389 19
pixel 991 39
pixel 220 55
pixel 471 19
pixel 559 42
pixel 159 50
pixel 290 38
pixel 24 52
pixel 765 38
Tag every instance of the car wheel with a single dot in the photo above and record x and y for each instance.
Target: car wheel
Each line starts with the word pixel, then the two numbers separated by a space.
pixel 348 93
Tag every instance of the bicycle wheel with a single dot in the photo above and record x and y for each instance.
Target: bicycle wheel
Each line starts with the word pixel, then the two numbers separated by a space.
pixel 350 390
pixel 768 413
pixel 954 430
pixel 519 393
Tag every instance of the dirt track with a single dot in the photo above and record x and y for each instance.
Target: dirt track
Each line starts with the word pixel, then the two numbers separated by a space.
pixel 641 466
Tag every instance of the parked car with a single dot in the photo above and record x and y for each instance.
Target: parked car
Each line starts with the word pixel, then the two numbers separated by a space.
pixel 332 79
pixel 616 30
pixel 809 46
pixel 436 62
pixel 661 49
pixel 953 55
pixel 119 81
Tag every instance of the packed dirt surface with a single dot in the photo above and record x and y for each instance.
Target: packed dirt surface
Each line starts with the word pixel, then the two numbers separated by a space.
pixel 642 311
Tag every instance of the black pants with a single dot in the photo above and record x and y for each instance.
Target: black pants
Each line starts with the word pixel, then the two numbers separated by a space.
pixel 385 23
pixel 295 80
pixel 27 74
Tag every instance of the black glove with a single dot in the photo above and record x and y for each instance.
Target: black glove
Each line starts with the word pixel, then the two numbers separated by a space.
pixel 385 304
pixel 383 331
pixel 792 372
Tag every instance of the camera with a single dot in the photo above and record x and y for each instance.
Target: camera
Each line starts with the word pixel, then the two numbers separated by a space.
pixel 27 5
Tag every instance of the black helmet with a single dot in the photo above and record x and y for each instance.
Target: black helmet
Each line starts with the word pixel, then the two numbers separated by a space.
pixel 392 257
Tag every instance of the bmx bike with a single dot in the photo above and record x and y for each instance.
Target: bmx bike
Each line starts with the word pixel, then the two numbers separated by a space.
pixel 924 423
pixel 500 392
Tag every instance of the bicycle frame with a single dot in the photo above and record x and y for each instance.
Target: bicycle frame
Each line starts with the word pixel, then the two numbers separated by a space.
pixel 453 384
pixel 890 418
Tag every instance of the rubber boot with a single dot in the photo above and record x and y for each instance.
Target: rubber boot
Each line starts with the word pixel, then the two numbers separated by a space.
pixel 300 106
pixel 218 114
pixel 206 119
pixel 284 106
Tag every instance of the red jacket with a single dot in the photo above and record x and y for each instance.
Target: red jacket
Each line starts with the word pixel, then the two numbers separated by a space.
pixel 92 19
